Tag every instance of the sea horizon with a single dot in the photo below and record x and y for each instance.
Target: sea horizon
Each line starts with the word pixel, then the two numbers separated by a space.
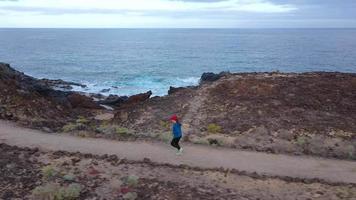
pixel 128 61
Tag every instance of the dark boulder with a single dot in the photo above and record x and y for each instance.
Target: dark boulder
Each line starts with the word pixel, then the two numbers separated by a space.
pixel 211 77
pixel 139 98
pixel 105 90
pixel 114 100
pixel 174 89
pixel 82 101
pixel 60 84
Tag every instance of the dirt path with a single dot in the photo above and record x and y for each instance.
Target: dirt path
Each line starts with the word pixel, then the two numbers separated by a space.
pixel 195 155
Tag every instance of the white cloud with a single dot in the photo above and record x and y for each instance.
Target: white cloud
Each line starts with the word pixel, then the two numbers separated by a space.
pixel 157 5
pixel 131 13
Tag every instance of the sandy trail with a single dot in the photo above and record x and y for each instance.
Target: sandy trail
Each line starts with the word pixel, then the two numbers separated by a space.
pixel 195 155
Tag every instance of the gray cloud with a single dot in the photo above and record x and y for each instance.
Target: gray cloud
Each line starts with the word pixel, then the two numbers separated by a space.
pixel 62 11
pixel 194 14
pixel 318 13
pixel 203 1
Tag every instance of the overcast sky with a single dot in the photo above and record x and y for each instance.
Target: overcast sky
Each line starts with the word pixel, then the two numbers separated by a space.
pixel 179 13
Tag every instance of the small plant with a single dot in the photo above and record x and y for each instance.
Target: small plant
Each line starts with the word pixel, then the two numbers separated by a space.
pixel 53 191
pixel 45 192
pixel 122 131
pixel 70 192
pixel 130 196
pixel 165 125
pixel 72 127
pixel 82 120
pixel 214 128
pixel 105 129
pixel 351 151
pixel 49 172
pixel 301 140
pixel 69 177
pixel 132 180
pixel 69 127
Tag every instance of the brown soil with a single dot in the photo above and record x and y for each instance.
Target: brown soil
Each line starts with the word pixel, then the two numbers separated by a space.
pixel 105 177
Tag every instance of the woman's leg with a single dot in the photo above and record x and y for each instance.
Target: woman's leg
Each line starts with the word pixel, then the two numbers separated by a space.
pixel 175 142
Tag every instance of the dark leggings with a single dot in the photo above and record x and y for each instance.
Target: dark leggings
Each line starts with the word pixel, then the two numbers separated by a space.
pixel 175 142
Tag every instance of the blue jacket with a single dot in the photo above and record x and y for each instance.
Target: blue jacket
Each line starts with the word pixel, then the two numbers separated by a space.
pixel 177 130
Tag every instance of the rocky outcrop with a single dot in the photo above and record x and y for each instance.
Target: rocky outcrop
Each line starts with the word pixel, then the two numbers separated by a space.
pixel 211 77
pixel 114 100
pixel 117 101
pixel 35 103
pixel 60 84
pixel 134 99
pixel 82 101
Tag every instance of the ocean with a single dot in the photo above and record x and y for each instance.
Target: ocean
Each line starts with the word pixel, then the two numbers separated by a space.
pixel 130 61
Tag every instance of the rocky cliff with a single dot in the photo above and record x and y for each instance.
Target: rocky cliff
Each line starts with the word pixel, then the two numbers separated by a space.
pixel 33 102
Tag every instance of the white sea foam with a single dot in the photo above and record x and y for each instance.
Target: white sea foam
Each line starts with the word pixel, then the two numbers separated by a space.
pixel 158 85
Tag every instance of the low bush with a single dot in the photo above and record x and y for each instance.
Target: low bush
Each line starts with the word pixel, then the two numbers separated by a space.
pixel 132 180
pixel 53 191
pixel 166 125
pixel 214 128
pixel 82 120
pixel 72 127
pixel 301 140
pixel 130 196
pixel 122 131
pixel 69 177
pixel 49 172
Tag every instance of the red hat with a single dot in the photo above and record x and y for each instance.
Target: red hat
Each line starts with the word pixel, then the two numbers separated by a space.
pixel 174 117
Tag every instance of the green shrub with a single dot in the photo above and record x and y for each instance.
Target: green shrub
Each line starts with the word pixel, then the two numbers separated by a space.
pixel 105 129
pixel 130 196
pixel 49 172
pixel 70 192
pixel 69 127
pixel 214 128
pixel 46 192
pixel 121 131
pixel 166 125
pixel 82 120
pixel 132 180
pixel 69 177
pixel 351 151
pixel 53 191
pixel 301 140
pixel 72 127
